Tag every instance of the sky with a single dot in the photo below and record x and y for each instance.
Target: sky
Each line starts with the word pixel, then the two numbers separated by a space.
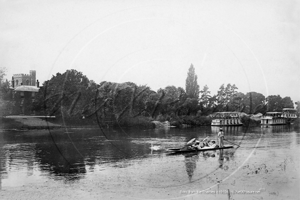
pixel 253 44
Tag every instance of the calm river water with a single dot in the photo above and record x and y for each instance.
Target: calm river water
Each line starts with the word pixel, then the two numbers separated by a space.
pixel 119 164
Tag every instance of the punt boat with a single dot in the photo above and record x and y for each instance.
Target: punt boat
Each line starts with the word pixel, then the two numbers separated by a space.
pixel 185 150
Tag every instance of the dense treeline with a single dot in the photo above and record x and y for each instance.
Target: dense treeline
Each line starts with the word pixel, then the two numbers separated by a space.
pixel 5 94
pixel 73 97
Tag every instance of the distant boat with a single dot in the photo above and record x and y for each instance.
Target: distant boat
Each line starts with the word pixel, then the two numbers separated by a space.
pixel 290 114
pixel 279 118
pixel 226 119
pixel 273 118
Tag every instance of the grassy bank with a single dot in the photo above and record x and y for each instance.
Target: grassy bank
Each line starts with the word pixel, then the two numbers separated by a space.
pixel 185 120
pixel 24 122
pixel 139 122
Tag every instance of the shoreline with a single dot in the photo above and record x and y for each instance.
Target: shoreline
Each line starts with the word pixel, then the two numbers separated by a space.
pixel 30 122
pixel 23 122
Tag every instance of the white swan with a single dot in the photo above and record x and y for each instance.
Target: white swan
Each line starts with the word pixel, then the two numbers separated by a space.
pixel 155 148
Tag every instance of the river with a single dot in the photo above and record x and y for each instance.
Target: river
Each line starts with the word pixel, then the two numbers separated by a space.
pixel 119 164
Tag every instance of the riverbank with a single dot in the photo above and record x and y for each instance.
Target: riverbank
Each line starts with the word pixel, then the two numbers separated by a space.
pixel 21 122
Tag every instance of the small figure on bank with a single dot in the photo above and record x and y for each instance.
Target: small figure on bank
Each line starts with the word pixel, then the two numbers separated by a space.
pixel 221 137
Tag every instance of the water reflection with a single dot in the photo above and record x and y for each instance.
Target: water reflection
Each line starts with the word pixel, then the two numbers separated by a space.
pixel 232 130
pixel 224 158
pixel 61 159
pixel 191 164
pixel 79 153
pixel 277 128
pixel 164 130
pixel 66 155
pixel 221 158
pixel 2 164
pixel 208 154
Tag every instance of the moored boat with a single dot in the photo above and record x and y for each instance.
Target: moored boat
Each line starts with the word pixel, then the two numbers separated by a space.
pixel 226 119
pixel 287 116
pixel 273 118
pixel 290 114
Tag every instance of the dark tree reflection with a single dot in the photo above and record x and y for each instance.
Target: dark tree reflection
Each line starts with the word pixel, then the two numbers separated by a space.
pixel 191 164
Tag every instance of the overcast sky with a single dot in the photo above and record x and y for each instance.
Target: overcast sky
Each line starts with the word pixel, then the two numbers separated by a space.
pixel 253 44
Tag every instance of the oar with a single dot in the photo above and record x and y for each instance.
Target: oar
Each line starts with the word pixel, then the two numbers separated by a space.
pixel 232 142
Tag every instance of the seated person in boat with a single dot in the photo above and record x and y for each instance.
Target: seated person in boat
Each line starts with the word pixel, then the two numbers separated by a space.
pixel 210 144
pixel 196 144
pixel 192 144
pixel 213 144
pixel 205 142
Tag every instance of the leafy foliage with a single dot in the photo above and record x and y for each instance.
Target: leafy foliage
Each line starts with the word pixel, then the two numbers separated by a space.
pixel 255 103
pixel 68 92
pixel 191 85
pixel 274 103
pixel 6 106
pixel 72 96
pixel 298 108
pixel 224 96
pixel 287 102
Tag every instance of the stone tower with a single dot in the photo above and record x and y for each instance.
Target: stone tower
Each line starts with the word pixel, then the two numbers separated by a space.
pixel 25 79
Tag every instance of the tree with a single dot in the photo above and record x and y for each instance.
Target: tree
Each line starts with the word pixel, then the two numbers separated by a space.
pixel 2 74
pixel 174 100
pixel 127 103
pixel 68 92
pixel 4 85
pixel 205 97
pixel 191 85
pixel 274 103
pixel 224 96
pixel 255 103
pixel 170 100
pixel 191 104
pixel 158 102
pixel 6 106
pixel 237 102
pixel 298 108
pixel 287 102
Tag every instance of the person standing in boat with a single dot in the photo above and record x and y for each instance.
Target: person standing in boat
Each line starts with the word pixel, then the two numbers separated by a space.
pixel 221 138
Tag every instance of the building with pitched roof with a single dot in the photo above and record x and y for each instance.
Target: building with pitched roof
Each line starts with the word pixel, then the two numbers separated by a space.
pixel 24 88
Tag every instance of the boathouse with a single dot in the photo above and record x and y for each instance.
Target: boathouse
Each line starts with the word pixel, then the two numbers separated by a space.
pixel 273 118
pixel 226 119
